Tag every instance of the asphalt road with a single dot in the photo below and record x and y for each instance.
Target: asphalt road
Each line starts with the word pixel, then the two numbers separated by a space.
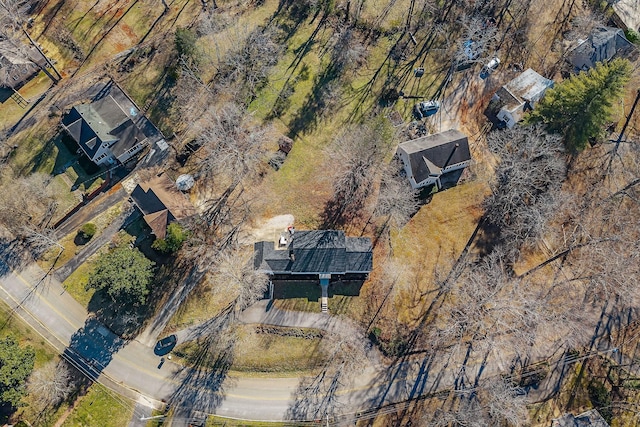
pixel 133 370
pixel 130 368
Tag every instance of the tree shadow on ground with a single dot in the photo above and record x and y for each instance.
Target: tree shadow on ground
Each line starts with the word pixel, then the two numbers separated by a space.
pixel 92 347
pixel 13 255
pixel 200 386
pixel 123 318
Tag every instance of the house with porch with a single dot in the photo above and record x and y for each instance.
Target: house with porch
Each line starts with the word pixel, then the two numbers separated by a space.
pixel 111 129
pixel 437 159
pixel 323 257
pixel 518 96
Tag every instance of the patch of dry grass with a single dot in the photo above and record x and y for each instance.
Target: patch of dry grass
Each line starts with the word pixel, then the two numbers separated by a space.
pixel 434 239
pixel 276 352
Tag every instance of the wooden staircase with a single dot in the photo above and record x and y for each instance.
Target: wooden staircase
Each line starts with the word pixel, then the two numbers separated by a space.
pixel 324 284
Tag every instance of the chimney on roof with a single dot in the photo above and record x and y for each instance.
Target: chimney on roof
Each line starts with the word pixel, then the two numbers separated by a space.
pixel 455 147
pixel 292 256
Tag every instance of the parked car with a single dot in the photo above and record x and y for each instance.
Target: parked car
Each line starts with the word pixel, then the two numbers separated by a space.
pixel 165 345
pixel 426 108
pixel 489 67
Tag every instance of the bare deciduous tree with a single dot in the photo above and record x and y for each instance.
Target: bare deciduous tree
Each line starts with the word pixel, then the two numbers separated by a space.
pixel 233 144
pixel 50 385
pixel 246 69
pixel 235 278
pixel 530 172
pixel 356 155
pixel 27 202
pixel 397 200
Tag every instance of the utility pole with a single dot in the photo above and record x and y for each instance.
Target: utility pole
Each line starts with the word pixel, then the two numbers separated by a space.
pixel 624 128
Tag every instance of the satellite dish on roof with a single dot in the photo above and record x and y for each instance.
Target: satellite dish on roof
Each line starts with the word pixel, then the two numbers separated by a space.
pixel 185 182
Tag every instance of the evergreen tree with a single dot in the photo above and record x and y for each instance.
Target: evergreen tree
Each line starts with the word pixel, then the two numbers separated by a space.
pixel 580 107
pixel 124 273
pixel 16 364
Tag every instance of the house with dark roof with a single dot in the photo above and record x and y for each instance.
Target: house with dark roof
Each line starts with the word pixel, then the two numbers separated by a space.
pixel 161 203
pixel 590 418
pixel 519 96
pixel 323 257
pixel 18 64
pixel 602 45
pixel 111 129
pixel 435 159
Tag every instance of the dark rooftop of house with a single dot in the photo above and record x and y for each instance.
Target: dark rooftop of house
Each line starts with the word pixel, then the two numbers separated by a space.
pixel 603 44
pixel 17 63
pixel 590 418
pixel 161 203
pixel 111 117
pixel 315 252
pixel 429 154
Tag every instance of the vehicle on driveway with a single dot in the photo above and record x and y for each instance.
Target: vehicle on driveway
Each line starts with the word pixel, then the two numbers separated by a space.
pixel 426 108
pixel 490 67
pixel 165 345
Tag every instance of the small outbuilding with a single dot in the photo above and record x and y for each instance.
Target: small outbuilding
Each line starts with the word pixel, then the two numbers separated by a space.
pixel 431 159
pixel 520 95
pixel 603 44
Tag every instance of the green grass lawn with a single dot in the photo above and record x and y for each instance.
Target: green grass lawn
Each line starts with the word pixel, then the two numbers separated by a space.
pixel 11 112
pixel 76 282
pixel 100 407
pixel 268 350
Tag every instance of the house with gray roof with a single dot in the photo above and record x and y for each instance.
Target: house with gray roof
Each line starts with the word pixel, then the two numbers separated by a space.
pixel 111 129
pixel 432 159
pixel 322 257
pixel 590 418
pixel 18 64
pixel 602 45
pixel 520 95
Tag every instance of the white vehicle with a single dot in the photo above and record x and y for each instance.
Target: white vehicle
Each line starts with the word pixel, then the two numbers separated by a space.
pixel 426 108
pixel 489 67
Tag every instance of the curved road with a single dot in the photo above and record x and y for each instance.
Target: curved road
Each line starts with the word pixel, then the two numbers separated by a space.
pixel 132 369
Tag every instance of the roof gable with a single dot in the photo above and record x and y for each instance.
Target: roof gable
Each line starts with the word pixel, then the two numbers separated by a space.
pixel 316 252
pixel 603 44
pixel 430 154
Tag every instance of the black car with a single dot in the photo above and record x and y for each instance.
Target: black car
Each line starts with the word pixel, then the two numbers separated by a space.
pixel 165 345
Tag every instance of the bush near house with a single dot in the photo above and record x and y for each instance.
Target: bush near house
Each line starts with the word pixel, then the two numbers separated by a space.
pixel 176 236
pixel 87 231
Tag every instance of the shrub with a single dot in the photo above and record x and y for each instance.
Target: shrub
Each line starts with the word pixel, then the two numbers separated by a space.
pixel 176 235
pixel 632 35
pixel 87 231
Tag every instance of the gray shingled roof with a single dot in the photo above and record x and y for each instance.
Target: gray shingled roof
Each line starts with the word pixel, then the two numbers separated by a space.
pixel 113 119
pixel 590 418
pixel 603 44
pixel 429 154
pixel 18 63
pixel 315 252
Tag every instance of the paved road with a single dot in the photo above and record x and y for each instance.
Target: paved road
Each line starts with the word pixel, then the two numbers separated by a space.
pixel 130 368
